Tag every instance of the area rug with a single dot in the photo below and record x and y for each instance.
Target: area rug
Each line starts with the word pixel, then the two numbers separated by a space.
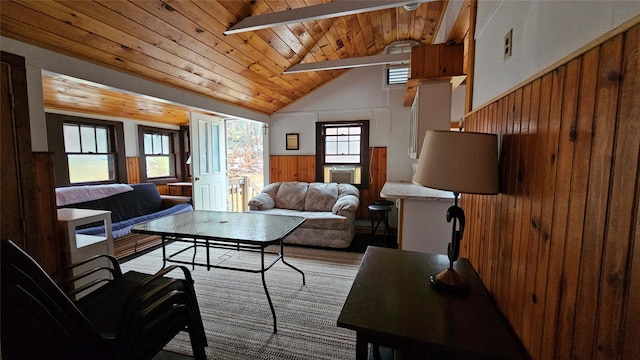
pixel 236 314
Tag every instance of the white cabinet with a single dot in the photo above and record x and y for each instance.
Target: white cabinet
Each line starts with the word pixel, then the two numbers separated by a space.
pixel 80 246
pixel 422 223
pixel 431 110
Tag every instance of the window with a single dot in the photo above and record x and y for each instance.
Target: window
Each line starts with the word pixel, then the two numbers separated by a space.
pixel 343 152
pixel 86 150
pixel 158 156
pixel 88 153
pixel 158 159
pixel 397 74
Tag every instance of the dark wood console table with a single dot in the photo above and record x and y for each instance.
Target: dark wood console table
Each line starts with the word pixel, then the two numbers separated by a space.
pixel 392 304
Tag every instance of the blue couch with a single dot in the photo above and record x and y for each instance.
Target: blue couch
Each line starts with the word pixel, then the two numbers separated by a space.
pixel 129 208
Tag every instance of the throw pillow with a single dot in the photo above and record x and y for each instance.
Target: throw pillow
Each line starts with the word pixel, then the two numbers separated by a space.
pixel 321 197
pixel 291 195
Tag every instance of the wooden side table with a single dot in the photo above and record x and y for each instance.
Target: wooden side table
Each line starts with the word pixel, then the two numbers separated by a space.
pixel 392 303
pixel 80 246
pixel 180 188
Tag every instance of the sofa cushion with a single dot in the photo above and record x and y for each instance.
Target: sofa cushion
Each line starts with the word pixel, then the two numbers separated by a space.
pixel 144 199
pixel 325 220
pixel 321 196
pixel 315 219
pixel 122 228
pixel 291 195
pixel 128 224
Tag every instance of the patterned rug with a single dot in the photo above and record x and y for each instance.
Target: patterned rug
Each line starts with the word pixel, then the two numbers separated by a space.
pixel 236 314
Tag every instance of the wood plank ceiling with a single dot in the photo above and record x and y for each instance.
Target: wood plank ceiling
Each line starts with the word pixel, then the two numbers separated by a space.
pixel 181 43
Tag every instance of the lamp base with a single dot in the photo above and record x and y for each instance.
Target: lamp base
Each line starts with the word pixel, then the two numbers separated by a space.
pixel 449 280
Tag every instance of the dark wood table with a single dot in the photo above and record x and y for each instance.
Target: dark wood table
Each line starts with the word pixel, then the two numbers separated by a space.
pixel 229 230
pixel 180 188
pixel 392 304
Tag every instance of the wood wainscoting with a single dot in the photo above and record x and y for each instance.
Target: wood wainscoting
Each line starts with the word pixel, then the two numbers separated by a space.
pixel 27 196
pixel 292 168
pixel 133 170
pixel 559 248
pixel 133 175
pixel 303 168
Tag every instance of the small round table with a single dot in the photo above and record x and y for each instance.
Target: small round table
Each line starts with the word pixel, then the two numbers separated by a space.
pixel 380 212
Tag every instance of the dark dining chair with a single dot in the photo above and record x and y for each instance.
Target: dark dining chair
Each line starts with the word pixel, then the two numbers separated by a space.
pixel 121 316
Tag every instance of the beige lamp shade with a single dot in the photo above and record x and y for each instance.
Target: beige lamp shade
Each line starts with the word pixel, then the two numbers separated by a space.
pixel 461 162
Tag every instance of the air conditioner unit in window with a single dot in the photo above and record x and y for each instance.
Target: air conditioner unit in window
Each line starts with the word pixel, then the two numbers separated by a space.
pixel 344 175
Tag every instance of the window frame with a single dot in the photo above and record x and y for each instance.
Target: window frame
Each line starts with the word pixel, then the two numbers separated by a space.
pixel 364 149
pixel 398 47
pixel 55 139
pixel 175 145
pixel 389 69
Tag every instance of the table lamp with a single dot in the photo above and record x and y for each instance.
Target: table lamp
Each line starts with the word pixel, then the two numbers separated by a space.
pixel 461 162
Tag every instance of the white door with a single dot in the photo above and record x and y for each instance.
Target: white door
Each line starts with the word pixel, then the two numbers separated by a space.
pixel 209 162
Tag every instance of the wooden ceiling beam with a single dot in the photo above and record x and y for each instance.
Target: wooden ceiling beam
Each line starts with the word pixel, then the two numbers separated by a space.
pixel 314 12
pixel 350 63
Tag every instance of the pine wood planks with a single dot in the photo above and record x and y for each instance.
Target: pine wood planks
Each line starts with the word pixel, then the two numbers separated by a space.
pixel 558 248
pixel 181 43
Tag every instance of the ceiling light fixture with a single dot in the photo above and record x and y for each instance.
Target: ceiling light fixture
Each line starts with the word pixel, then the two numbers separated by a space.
pixel 412 6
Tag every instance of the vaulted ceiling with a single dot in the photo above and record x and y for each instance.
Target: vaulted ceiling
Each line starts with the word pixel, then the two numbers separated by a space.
pixel 181 43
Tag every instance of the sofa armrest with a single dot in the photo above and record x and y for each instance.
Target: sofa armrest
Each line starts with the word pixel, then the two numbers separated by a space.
pixel 346 206
pixel 172 200
pixel 262 201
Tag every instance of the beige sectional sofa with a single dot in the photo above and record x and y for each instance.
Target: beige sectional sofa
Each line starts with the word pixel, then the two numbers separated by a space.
pixel 329 209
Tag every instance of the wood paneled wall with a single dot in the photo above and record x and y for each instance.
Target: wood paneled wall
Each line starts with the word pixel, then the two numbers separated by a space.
pixel 559 248
pixel 133 170
pixel 303 168
pixel 133 175
pixel 53 242
pixel 377 178
pixel 292 168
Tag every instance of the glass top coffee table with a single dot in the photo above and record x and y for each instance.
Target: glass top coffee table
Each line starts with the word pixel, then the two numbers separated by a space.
pixel 215 229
